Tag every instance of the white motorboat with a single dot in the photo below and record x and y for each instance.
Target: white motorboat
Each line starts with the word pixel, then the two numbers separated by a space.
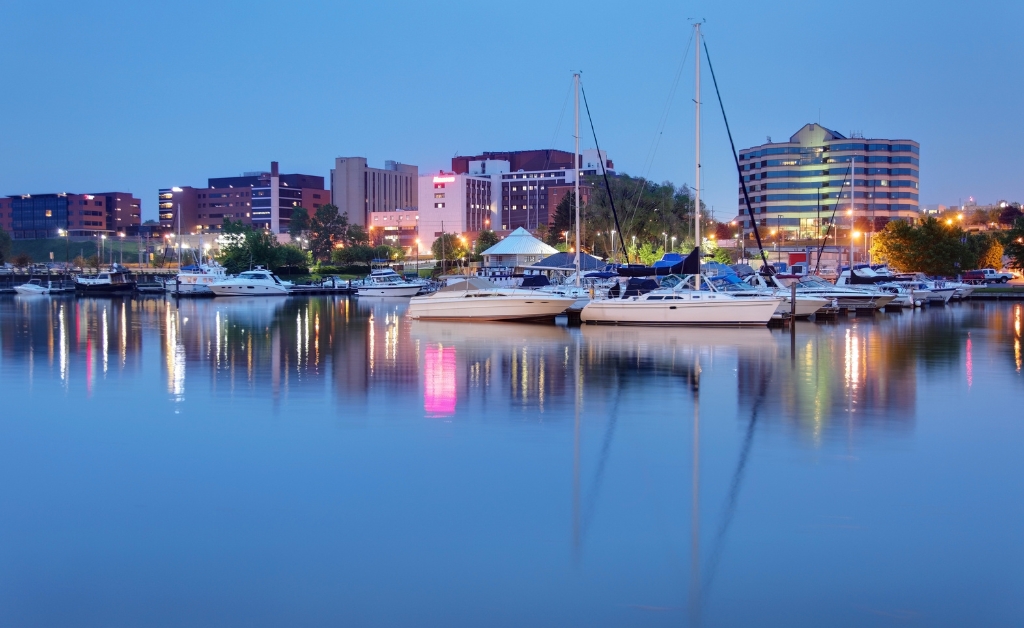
pixel 843 297
pixel 680 305
pixel 385 282
pixel 806 304
pixel 905 297
pixel 477 299
pixel 34 286
pixel 941 290
pixel 251 283
pixel 196 280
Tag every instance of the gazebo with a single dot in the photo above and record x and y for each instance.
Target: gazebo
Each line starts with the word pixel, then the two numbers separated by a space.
pixel 517 249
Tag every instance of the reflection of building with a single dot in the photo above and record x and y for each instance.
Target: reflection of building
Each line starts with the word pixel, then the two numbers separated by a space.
pixel 30 216
pixel 790 183
pixel 262 199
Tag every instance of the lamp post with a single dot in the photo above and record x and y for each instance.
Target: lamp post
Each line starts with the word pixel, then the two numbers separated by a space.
pixel 565 238
pixel 103 242
pixel 121 246
pixel 665 237
pixel 417 255
pixel 615 258
pixel 673 243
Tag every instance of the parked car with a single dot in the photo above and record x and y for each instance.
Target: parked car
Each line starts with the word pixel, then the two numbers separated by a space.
pixel 986 275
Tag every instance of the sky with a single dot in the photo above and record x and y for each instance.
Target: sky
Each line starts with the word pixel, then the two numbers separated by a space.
pixel 135 96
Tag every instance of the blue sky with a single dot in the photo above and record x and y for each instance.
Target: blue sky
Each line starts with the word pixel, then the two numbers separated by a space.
pixel 137 96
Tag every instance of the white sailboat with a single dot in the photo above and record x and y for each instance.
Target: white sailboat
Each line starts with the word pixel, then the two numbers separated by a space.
pixel 686 303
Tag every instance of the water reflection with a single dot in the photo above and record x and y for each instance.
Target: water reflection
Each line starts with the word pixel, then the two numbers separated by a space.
pixel 828 378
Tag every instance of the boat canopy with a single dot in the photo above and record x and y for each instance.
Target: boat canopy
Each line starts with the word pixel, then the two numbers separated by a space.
pixel 469 283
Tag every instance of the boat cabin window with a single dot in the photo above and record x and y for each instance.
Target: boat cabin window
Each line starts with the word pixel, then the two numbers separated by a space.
pixel 103 276
pixel 654 298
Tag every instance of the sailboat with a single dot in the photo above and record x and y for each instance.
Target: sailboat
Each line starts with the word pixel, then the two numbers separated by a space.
pixel 691 301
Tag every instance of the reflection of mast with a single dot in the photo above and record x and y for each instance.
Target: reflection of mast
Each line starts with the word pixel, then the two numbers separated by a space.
pixel 577 375
pixel 695 507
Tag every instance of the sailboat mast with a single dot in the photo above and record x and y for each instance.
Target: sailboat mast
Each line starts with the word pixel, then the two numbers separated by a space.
pixel 697 183
pixel 576 166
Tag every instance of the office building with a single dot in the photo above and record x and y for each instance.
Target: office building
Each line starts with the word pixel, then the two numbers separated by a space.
pixel 795 185
pixel 261 199
pixel 399 228
pixel 358 190
pixel 456 203
pixel 31 216
pixel 528 185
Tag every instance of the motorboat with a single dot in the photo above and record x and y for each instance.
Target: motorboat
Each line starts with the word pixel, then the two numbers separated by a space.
pixel 725 279
pixel 844 298
pixel 114 281
pixel 34 286
pixel 641 302
pixel 259 283
pixel 905 297
pixel 941 290
pixel 196 280
pixel 476 299
pixel 385 282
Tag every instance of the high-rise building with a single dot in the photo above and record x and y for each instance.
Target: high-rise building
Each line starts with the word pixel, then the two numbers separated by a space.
pixel 31 216
pixel 261 199
pixel 794 186
pixel 358 190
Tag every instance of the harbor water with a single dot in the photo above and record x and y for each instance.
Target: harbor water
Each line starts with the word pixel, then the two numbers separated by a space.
pixel 326 461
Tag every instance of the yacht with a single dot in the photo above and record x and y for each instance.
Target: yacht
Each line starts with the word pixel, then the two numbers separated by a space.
pixel 196 280
pixel 681 304
pixel 476 299
pixel 34 286
pixel 731 283
pixel 259 283
pixel 114 281
pixel 844 298
pixel 385 282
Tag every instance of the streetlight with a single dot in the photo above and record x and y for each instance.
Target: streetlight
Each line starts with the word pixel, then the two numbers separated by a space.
pixel 665 236
pixel 673 243
pixel 614 256
pixel 853 237
pixel 121 246
pixel 565 236
pixel 417 257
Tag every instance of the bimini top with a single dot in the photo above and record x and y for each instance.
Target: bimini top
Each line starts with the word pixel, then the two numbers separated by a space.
pixel 469 283
pixel 567 261
pixel 520 242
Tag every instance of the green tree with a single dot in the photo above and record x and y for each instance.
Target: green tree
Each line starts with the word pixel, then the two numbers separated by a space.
pixel 722 256
pixel 327 229
pixel 299 223
pixel 484 241
pixel 1009 214
pixel 353 254
pixel 291 256
pixel 245 247
pixel 356 234
pixel 932 247
pixel 5 245
pixel 1013 244
pixel 992 255
pixel 449 247
pixel 94 262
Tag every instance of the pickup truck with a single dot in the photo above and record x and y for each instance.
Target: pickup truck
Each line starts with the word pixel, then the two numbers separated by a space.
pixel 986 275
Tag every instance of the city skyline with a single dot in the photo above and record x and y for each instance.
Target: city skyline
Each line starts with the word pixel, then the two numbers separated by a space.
pixel 139 113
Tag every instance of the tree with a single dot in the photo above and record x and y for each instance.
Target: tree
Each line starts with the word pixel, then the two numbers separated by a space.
pixel 932 247
pixel 1010 214
pixel 327 229
pixel 245 247
pixel 484 241
pixel 299 223
pixel 353 254
pixel 78 262
pixel 722 256
pixel 1013 243
pixel 291 256
pixel 22 260
pixel 5 245
pixel 449 247
pixel 356 234
pixel 94 262
pixel 992 255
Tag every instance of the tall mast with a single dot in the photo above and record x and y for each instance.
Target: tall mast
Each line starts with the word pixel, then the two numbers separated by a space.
pixel 576 166
pixel 697 184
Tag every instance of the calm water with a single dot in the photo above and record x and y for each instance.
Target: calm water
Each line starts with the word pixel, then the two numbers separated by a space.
pixel 330 462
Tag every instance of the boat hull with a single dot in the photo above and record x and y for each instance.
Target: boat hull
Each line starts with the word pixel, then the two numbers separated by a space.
pixel 103 289
pixel 248 291
pixel 492 308
pixel 725 313
pixel 387 291
pixel 31 289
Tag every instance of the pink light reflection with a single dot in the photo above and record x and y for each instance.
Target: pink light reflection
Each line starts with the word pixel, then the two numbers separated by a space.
pixel 439 384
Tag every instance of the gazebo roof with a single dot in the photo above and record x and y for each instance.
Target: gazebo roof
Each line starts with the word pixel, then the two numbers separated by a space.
pixel 520 242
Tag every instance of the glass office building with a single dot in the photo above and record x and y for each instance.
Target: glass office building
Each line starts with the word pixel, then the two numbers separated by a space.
pixel 799 188
pixel 38 215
